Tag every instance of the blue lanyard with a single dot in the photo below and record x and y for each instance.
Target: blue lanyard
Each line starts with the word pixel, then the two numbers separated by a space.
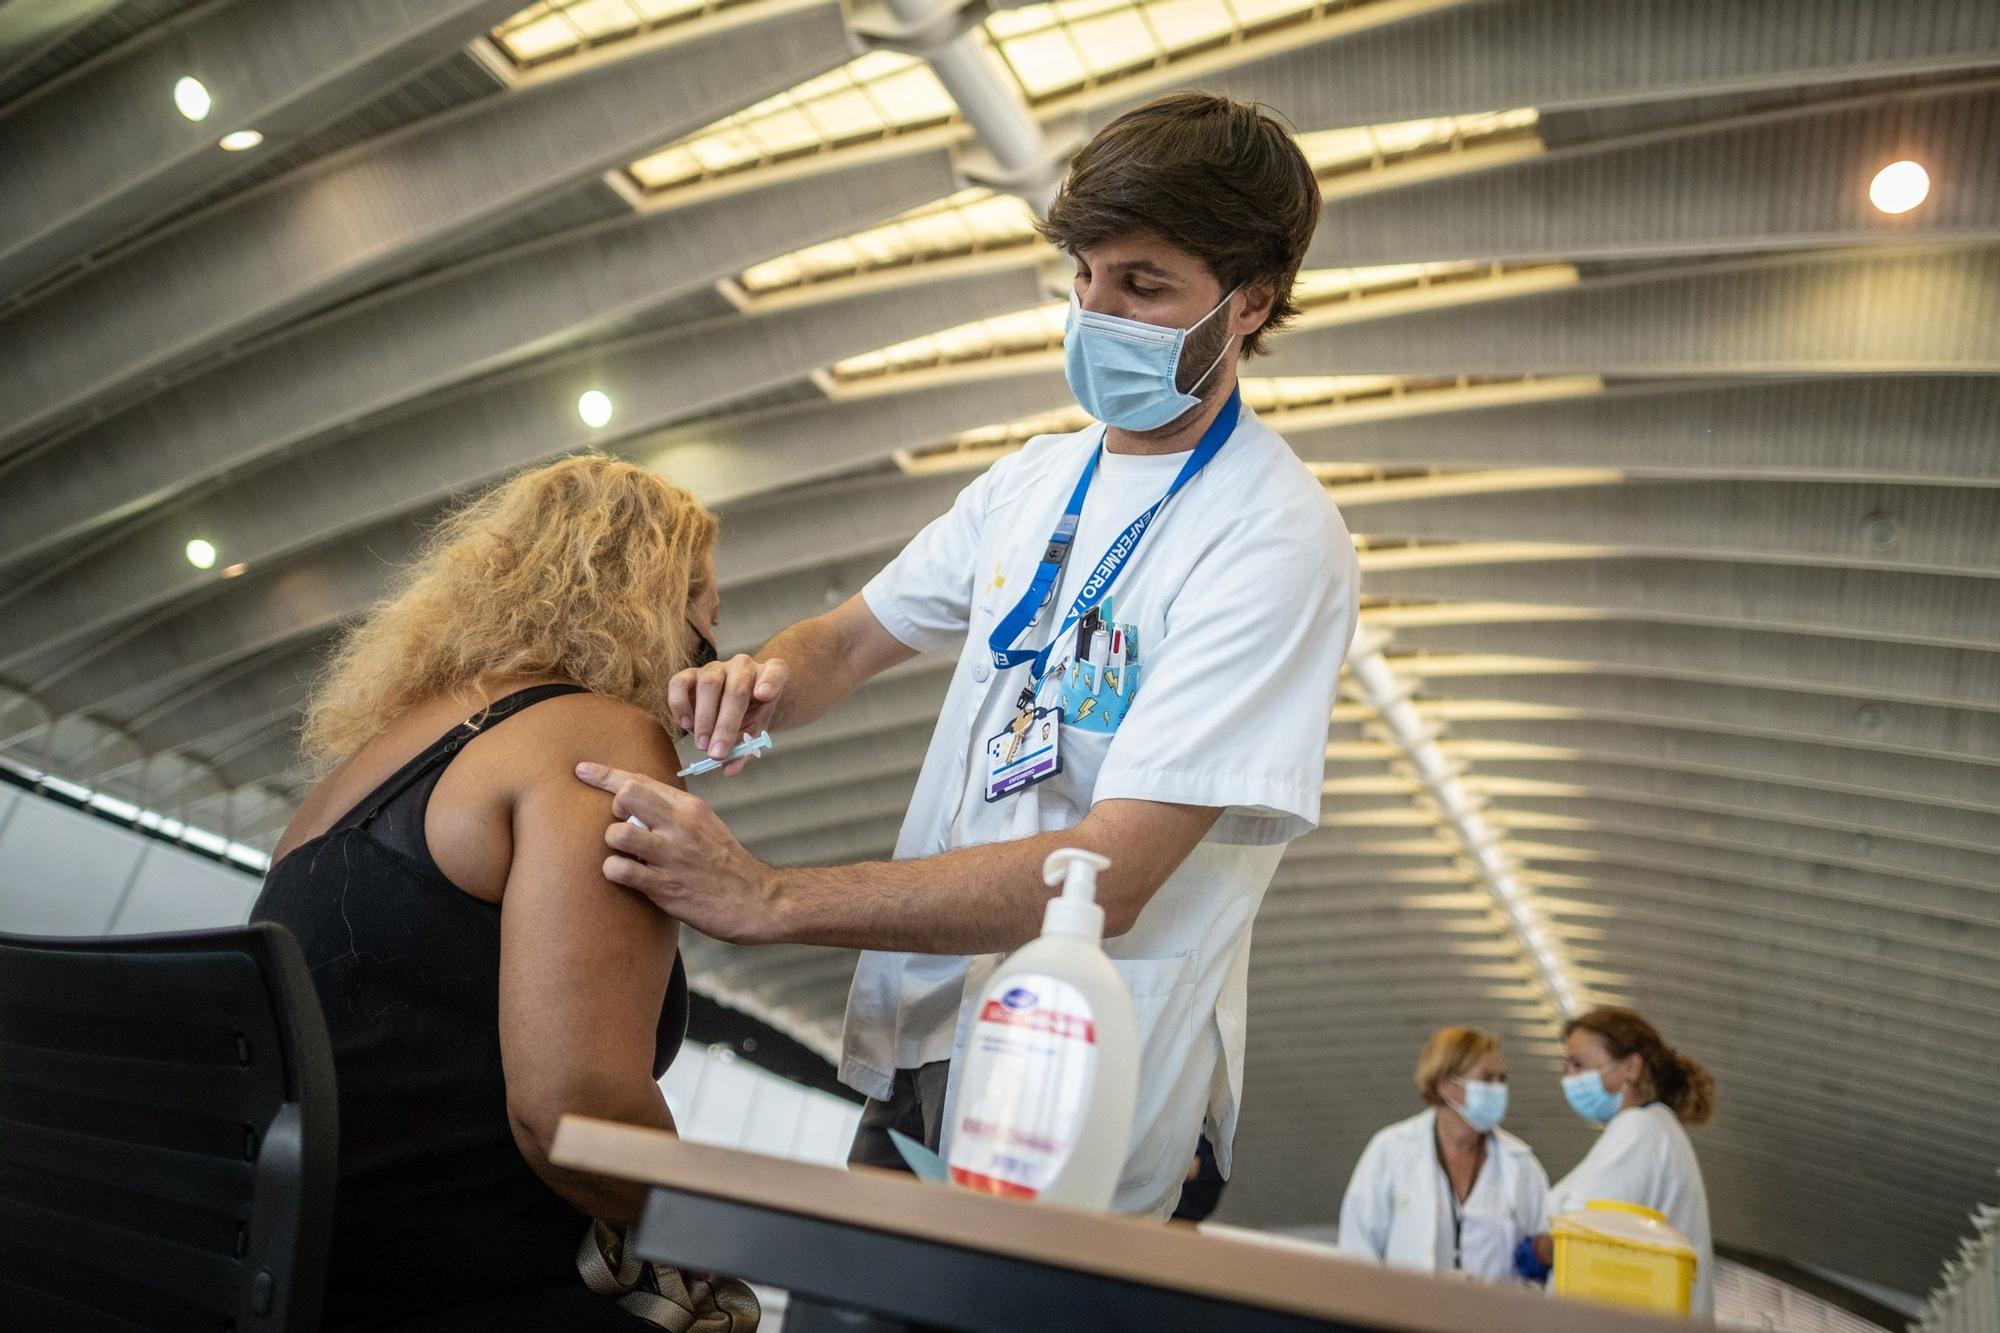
pixel 1042 587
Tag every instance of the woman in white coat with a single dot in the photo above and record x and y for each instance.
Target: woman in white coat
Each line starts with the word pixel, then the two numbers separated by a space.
pixel 1619 1073
pixel 1447 1189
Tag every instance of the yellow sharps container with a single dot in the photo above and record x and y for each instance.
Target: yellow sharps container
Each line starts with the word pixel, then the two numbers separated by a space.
pixel 1623 1254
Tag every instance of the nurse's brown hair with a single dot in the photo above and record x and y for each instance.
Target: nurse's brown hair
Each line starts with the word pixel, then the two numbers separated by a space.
pixel 1450 1053
pixel 1680 1082
pixel 1220 179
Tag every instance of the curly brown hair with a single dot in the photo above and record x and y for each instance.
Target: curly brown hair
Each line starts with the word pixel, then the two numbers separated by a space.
pixel 583 568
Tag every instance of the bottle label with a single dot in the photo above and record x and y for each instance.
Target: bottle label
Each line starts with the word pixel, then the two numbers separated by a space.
pixel 1030 1063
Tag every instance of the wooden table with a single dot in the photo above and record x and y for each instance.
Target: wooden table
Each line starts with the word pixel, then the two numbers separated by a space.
pixel 917 1253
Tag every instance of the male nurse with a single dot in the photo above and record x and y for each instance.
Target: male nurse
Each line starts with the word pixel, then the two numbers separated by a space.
pixel 1168 594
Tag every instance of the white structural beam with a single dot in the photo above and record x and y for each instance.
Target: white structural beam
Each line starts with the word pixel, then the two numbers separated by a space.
pixel 1458 813
pixel 329 231
pixel 1910 311
pixel 1795 177
pixel 419 458
pixel 106 150
pixel 1901 428
pixel 1469 58
pixel 1555 781
pixel 774 449
pixel 1884 605
pixel 1472 639
pixel 1928 529
pixel 30 27
pixel 423 338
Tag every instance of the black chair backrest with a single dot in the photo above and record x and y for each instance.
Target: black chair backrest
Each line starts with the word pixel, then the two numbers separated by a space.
pixel 167 1133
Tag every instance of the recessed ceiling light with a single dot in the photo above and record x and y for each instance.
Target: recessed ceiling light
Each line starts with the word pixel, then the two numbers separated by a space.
pixel 237 141
pixel 235 570
pixel 191 96
pixel 595 408
pixel 201 553
pixel 1899 187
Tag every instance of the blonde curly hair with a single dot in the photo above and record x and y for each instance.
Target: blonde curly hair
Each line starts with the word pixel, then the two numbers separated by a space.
pixel 584 568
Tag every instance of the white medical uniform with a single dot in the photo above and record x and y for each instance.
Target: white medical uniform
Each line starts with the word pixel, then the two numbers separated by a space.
pixel 1398 1209
pixel 1239 603
pixel 1644 1157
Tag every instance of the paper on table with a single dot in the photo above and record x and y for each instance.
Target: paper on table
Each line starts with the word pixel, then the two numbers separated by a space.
pixel 927 1164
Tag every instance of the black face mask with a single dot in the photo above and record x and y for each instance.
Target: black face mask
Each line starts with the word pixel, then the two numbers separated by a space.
pixel 704 652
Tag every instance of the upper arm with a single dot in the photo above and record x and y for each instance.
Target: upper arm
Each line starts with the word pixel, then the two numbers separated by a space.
pixel 584 963
pixel 923 597
pixel 866 646
pixel 1146 842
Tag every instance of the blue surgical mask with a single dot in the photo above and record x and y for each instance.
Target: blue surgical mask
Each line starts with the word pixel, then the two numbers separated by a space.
pixel 1485 1104
pixel 1589 1098
pixel 1124 372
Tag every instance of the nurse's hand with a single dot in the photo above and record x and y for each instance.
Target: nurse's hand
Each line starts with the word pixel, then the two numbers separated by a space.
pixel 685 858
pixel 721 703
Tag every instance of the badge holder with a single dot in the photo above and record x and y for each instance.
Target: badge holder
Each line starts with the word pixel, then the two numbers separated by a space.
pixel 1027 751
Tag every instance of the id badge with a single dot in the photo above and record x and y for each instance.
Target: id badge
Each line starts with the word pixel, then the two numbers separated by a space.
pixel 1028 751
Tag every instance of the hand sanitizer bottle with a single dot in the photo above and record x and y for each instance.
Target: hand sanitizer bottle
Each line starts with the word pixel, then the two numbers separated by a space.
pixel 1044 1109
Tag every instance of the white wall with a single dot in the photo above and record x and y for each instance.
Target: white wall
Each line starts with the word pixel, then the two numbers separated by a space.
pixel 719 1098
pixel 65 872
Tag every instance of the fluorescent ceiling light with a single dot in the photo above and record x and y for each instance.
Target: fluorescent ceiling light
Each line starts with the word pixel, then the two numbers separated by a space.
pixel 201 553
pixel 237 141
pixel 1899 187
pixel 191 97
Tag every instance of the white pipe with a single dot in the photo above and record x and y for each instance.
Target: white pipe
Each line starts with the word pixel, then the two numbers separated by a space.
pixel 1389 696
pixel 971 72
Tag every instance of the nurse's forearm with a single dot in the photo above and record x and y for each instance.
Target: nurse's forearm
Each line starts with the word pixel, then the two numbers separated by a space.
pixel 984 899
pixel 828 658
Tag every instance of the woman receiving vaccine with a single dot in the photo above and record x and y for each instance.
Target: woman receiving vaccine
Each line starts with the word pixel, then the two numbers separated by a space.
pixel 1448 1190
pixel 1619 1073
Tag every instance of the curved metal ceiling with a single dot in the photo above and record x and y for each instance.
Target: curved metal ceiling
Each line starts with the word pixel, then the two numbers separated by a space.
pixel 1672 461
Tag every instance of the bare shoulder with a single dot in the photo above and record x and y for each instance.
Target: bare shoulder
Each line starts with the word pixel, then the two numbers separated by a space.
pixel 519 787
pixel 600 729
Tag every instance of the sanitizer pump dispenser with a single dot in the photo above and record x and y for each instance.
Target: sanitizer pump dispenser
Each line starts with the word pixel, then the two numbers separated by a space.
pixel 1044 1108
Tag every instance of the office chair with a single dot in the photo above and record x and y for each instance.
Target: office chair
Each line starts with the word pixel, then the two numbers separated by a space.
pixel 168 1134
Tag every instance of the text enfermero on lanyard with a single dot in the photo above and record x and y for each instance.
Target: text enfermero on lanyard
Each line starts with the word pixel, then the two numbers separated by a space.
pixel 1008 632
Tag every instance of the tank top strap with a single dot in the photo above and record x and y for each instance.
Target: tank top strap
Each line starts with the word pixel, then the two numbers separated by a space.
pixel 436 756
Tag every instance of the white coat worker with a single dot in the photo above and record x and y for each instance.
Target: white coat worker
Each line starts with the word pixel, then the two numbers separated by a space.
pixel 1173 588
pixel 1619 1073
pixel 1448 1190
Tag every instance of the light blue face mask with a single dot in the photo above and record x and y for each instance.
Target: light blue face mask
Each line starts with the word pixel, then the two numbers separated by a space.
pixel 1123 371
pixel 1485 1104
pixel 1589 1098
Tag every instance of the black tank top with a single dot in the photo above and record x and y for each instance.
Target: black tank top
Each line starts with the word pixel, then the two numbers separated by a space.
pixel 435 1203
